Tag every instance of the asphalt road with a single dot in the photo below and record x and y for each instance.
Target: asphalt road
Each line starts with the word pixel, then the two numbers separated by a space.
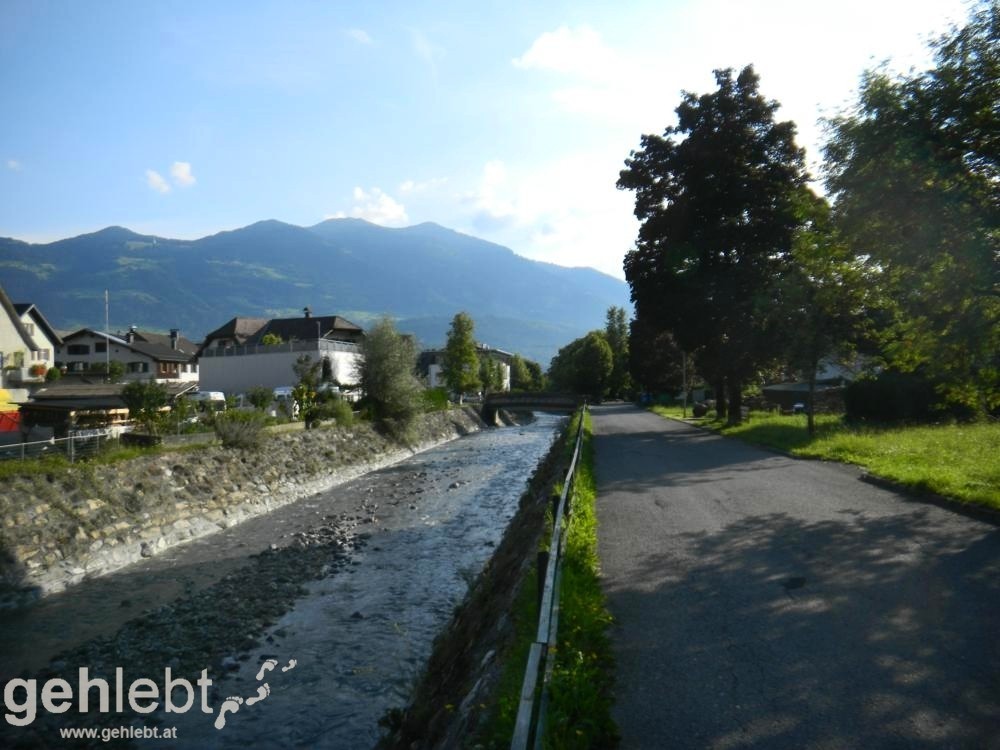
pixel 766 602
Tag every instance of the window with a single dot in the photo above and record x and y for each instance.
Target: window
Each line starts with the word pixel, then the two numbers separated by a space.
pixel 138 366
pixel 78 349
pixel 101 347
pixel 30 328
pixel 42 355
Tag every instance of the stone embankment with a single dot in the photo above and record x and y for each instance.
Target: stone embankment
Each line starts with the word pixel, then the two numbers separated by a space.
pixel 92 519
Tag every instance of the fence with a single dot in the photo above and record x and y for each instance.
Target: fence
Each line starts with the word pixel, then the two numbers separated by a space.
pixel 81 445
pixel 531 722
pixel 324 345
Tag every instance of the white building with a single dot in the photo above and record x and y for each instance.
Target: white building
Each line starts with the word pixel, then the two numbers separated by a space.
pixel 27 347
pixel 245 353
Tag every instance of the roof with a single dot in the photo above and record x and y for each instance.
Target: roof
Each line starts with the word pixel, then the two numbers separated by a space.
pixel 32 309
pixel 15 319
pixel 97 391
pixel 163 339
pixel 331 327
pixel 155 351
pixel 237 328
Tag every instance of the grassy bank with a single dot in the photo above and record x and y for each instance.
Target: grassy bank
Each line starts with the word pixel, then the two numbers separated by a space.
pixel 954 460
pixel 579 713
pixel 581 690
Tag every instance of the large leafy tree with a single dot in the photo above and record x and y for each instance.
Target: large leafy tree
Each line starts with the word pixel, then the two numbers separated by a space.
pixel 716 198
pixel 914 171
pixel 830 298
pixel 145 399
pixel 387 375
pixel 616 331
pixel 461 362
pixel 583 366
pixel 655 361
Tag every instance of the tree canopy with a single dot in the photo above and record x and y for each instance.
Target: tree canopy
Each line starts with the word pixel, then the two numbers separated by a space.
pixel 914 171
pixel 717 197
pixel 461 363
pixel 387 375
pixel 583 366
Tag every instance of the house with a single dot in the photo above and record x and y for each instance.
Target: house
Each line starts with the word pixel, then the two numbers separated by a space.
pixel 145 355
pixel 234 333
pixel 430 364
pixel 27 347
pixel 66 407
pixel 832 377
pixel 241 354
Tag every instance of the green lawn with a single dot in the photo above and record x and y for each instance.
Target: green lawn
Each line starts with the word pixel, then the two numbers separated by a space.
pixel 960 461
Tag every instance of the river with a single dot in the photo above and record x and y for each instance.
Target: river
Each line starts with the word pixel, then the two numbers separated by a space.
pixel 354 641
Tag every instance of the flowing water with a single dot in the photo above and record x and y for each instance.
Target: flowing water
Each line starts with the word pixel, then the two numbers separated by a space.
pixel 354 644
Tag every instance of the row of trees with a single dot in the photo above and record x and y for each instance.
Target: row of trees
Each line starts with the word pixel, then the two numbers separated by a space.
pixel 742 267
pixel 597 364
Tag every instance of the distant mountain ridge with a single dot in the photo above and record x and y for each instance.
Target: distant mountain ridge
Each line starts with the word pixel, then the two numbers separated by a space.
pixel 421 275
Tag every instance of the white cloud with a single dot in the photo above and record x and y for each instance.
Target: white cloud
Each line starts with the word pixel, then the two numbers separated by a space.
pixel 180 171
pixel 408 187
pixel 375 206
pixel 566 211
pixel 14 165
pixel 156 182
pixel 579 52
pixel 360 36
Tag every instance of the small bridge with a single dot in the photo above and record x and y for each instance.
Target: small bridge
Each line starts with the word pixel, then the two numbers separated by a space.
pixel 535 401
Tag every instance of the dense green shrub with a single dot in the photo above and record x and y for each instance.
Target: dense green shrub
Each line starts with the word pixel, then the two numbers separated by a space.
pixel 436 399
pixel 894 396
pixel 336 409
pixel 239 429
pixel 260 397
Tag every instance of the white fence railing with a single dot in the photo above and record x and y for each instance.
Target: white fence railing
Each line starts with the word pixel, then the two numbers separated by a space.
pixel 291 346
pixel 81 444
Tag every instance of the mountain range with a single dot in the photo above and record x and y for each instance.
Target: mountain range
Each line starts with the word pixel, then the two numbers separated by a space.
pixel 420 275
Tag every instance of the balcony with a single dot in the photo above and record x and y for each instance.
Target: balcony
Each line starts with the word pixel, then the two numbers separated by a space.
pixel 25 375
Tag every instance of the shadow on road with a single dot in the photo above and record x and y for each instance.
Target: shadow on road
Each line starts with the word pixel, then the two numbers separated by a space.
pixel 855 632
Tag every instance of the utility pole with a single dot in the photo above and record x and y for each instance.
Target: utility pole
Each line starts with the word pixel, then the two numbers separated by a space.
pixel 107 338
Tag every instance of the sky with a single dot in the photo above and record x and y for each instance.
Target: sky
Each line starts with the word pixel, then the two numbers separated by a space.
pixel 506 120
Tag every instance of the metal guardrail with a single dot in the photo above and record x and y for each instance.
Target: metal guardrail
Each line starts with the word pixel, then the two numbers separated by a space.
pixel 530 724
pixel 83 445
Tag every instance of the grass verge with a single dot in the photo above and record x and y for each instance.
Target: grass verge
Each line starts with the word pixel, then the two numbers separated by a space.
pixel 581 689
pixel 958 461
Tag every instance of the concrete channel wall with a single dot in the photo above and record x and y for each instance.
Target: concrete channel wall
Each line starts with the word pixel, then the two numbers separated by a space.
pixel 89 520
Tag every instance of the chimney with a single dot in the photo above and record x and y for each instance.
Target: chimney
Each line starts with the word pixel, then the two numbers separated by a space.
pixel 130 336
pixel 307 312
pixel 173 338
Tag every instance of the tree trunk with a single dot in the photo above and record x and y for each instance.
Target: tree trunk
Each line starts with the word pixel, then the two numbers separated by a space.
pixel 720 398
pixel 811 399
pixel 735 402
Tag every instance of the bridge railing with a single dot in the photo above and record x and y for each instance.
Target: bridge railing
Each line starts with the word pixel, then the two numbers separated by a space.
pixel 530 723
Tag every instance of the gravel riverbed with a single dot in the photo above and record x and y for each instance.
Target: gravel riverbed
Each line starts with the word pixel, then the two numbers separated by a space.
pixel 352 585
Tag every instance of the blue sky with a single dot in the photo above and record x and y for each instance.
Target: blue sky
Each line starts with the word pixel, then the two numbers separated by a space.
pixel 507 120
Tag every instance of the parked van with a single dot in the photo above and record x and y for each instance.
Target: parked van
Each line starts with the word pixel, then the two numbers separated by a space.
pixel 208 400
